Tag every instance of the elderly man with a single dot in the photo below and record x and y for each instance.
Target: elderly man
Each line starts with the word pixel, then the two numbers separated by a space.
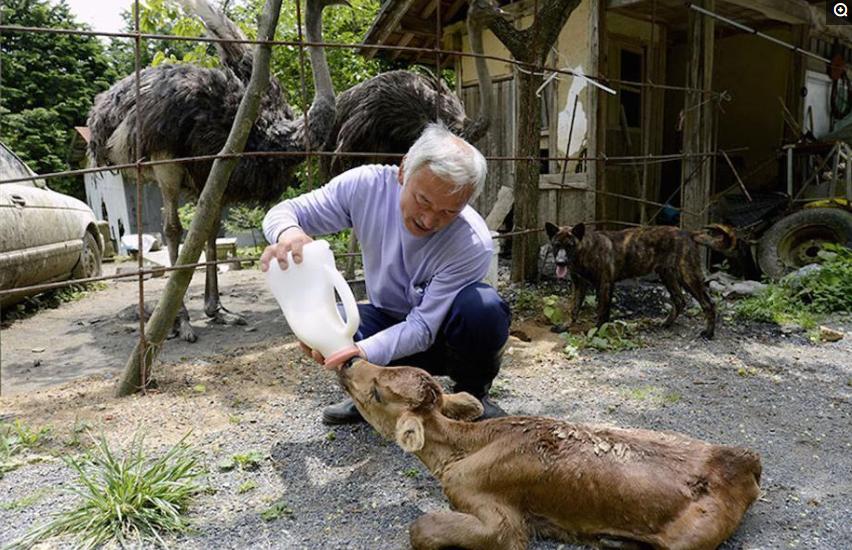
pixel 425 251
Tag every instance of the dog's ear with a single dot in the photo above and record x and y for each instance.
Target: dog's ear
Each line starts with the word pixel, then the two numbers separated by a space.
pixel 551 230
pixel 578 231
pixel 461 406
pixel 409 432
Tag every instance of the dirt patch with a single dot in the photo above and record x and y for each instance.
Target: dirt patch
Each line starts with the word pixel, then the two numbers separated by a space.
pixel 240 391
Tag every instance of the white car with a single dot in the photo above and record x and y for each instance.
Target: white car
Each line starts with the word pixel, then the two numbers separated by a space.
pixel 45 236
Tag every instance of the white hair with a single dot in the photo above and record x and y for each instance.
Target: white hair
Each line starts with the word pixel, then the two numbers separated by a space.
pixel 449 157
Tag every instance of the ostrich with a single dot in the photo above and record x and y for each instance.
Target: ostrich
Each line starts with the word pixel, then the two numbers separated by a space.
pixel 187 111
pixel 384 114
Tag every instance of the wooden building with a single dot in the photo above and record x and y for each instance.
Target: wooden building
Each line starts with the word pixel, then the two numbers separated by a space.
pixel 647 52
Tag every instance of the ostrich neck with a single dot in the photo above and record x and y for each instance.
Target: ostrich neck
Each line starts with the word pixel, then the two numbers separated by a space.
pixel 319 65
pixel 478 127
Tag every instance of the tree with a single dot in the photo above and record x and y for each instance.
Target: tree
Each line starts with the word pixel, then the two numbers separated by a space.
pixel 137 369
pixel 49 82
pixel 530 46
pixel 166 18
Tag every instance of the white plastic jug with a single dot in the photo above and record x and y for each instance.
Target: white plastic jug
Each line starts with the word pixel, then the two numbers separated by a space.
pixel 305 292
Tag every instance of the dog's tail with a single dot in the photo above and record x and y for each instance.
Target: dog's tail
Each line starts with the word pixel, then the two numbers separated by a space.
pixel 719 237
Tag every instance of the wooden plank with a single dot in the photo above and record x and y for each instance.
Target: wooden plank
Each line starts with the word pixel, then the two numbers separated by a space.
pixel 596 171
pixel 386 25
pixel 795 12
pixel 454 9
pixel 696 171
pixel 406 39
pixel 572 181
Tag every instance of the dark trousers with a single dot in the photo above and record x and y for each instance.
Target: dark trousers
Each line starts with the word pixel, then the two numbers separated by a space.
pixel 468 343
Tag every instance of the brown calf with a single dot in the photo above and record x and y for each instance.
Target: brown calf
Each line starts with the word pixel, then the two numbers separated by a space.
pixel 512 477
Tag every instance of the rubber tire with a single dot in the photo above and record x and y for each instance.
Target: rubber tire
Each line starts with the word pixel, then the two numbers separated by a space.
pixel 834 219
pixel 89 264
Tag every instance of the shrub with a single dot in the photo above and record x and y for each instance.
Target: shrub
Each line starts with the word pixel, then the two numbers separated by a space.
pixel 803 299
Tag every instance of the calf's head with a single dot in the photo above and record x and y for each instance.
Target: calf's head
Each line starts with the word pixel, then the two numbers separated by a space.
pixel 564 242
pixel 397 401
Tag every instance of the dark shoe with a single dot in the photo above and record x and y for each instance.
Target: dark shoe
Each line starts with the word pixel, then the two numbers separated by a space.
pixel 341 413
pixel 490 409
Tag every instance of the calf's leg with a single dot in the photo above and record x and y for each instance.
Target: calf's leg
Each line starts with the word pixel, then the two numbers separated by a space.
pixel 438 530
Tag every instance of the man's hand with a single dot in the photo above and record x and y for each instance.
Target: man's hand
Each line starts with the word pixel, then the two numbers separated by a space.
pixel 290 240
pixel 336 360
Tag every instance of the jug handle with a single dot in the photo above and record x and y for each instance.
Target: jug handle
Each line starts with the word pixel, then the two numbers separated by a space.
pixel 353 318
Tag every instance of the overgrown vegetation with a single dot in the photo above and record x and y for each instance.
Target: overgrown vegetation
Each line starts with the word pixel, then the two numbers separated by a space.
pixel 276 511
pixel 16 439
pixel 652 394
pixel 125 500
pixel 612 336
pixel 803 300
pixel 245 462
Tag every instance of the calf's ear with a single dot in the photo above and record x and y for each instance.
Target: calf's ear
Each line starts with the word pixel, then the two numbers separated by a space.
pixel 461 406
pixel 409 432
pixel 550 229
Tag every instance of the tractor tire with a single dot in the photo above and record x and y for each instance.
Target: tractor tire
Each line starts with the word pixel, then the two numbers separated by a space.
pixel 795 240
pixel 89 264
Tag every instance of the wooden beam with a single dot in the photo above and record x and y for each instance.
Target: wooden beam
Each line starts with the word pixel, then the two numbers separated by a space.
pixel 615 4
pixel 797 12
pixel 596 133
pixel 406 38
pixel 794 12
pixel 429 9
pixel 386 25
pixel 412 23
pixel 454 9
pixel 697 171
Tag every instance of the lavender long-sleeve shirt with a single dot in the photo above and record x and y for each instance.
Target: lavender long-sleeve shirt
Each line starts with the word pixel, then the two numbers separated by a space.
pixel 414 279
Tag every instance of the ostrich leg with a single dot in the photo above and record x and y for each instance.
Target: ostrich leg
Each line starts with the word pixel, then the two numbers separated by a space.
pixel 169 177
pixel 212 304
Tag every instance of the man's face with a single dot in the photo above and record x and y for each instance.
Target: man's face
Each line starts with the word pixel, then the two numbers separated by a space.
pixel 429 203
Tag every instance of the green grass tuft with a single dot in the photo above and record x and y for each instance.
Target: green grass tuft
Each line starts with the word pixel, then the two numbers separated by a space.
pixel 125 500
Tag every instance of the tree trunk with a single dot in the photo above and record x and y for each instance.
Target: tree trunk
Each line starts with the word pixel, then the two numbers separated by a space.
pixel 208 211
pixel 530 46
pixel 525 247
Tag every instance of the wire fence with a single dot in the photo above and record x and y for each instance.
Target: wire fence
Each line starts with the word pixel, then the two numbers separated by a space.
pixel 141 164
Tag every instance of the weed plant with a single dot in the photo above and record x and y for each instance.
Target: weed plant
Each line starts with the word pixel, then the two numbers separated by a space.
pixel 802 300
pixel 125 500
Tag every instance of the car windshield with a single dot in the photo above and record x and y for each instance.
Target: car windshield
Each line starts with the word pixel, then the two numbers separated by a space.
pixel 12 167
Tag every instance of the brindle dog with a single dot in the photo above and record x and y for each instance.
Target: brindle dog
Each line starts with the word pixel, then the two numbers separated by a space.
pixel 597 259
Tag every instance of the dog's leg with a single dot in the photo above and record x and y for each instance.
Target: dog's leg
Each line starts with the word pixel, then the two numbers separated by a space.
pixel 577 298
pixel 437 530
pixel 604 301
pixel 695 286
pixel 671 283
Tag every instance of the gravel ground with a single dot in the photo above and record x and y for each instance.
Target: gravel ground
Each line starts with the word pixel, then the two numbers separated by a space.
pixel 347 488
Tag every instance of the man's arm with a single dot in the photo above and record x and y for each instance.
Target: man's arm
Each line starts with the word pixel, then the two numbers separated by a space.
pixel 417 332
pixel 288 225
pixel 324 210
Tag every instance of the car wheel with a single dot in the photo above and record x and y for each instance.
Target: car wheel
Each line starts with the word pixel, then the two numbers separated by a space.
pixel 795 240
pixel 89 264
